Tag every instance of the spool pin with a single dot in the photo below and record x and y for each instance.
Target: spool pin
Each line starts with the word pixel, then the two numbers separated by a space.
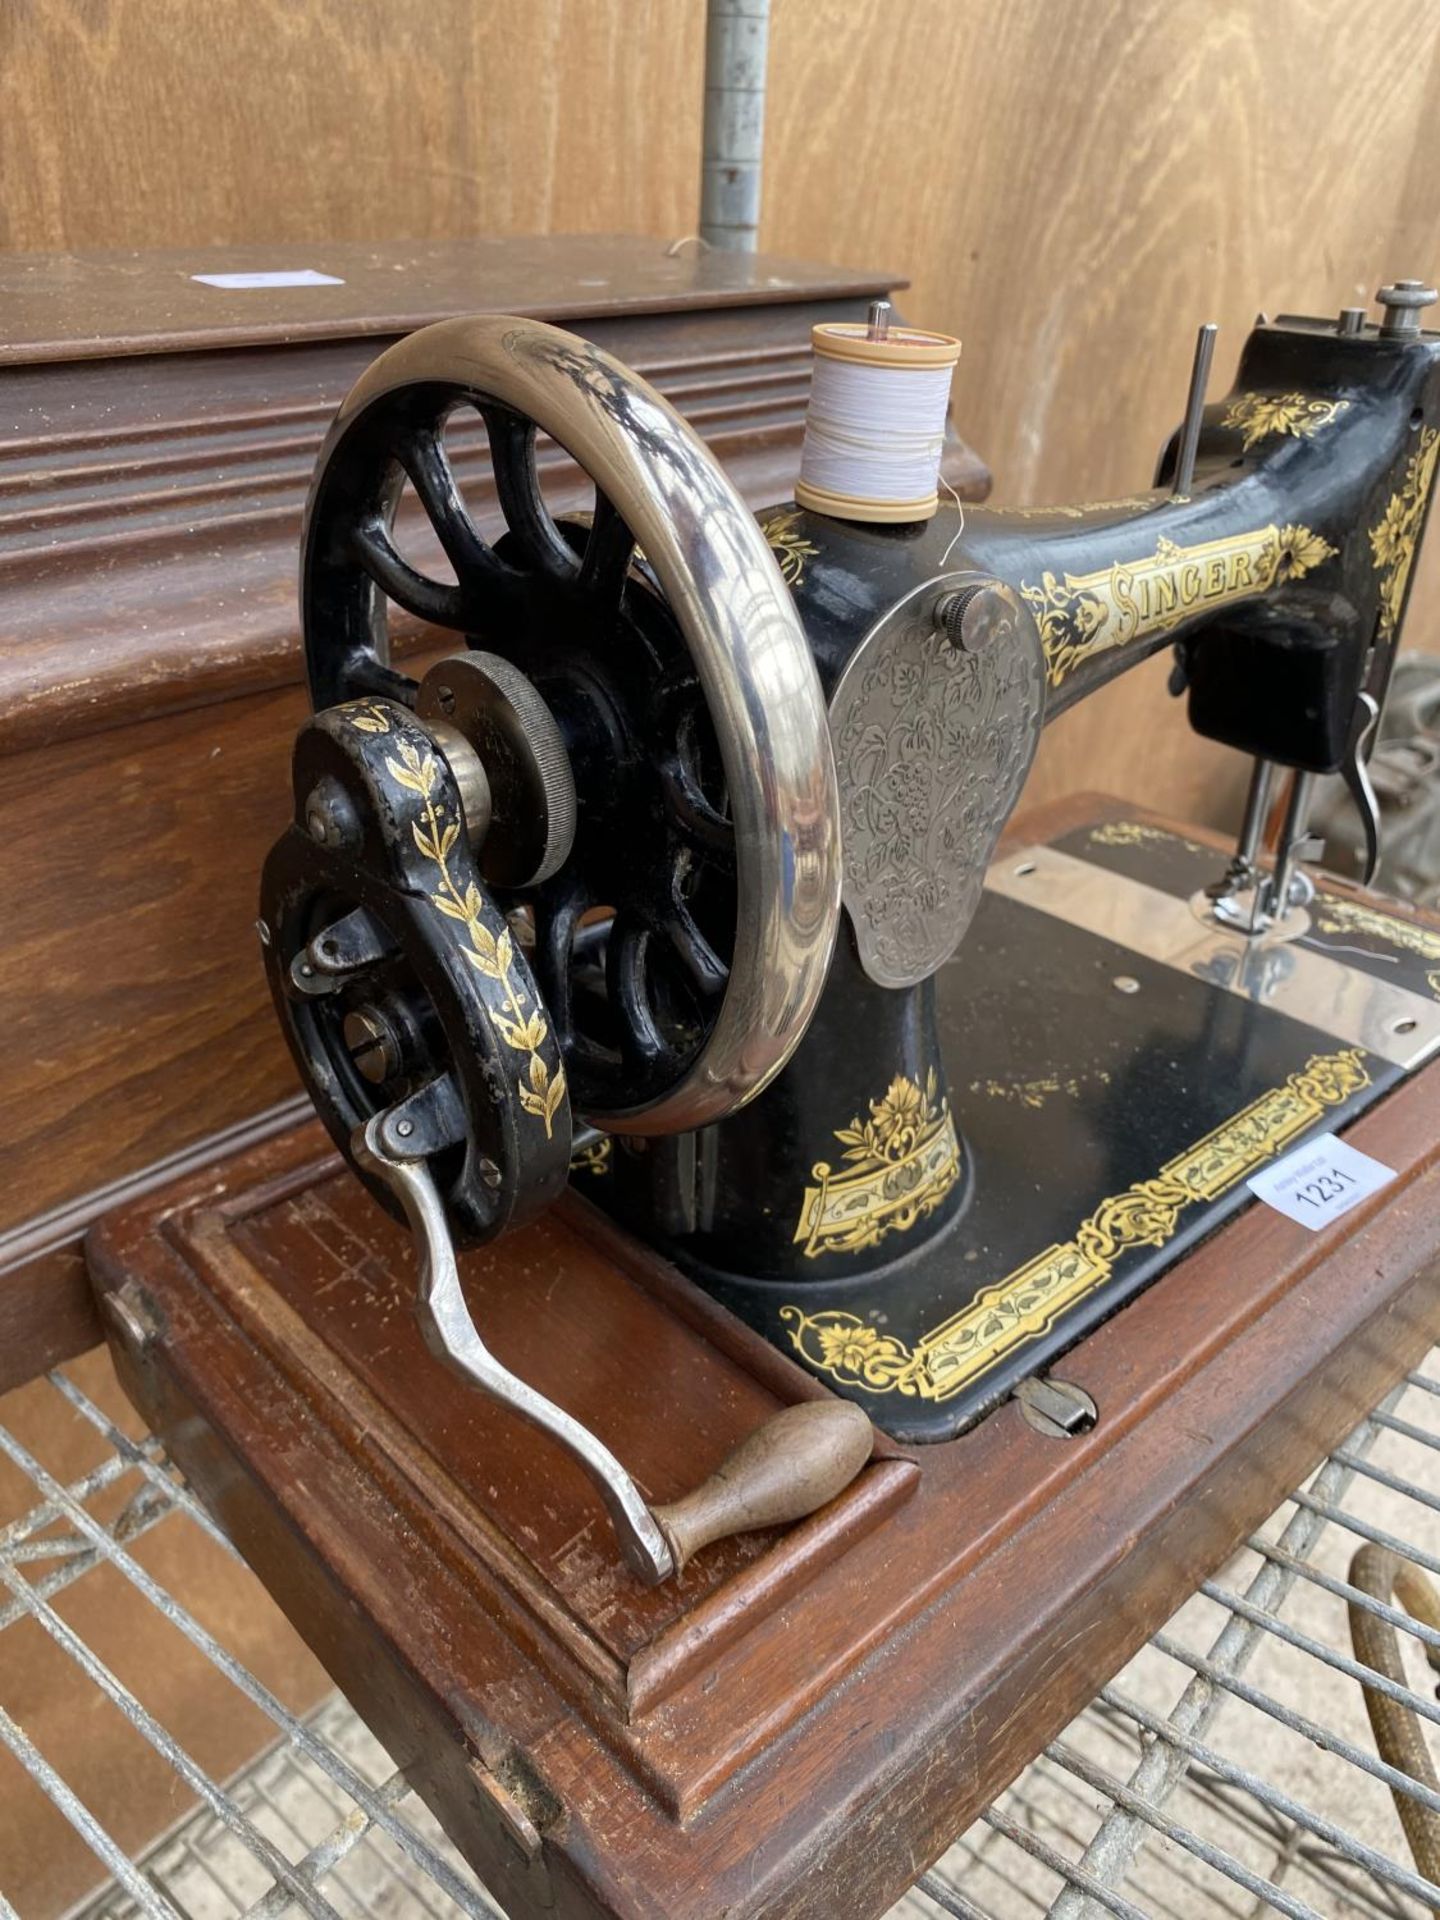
pixel 875 426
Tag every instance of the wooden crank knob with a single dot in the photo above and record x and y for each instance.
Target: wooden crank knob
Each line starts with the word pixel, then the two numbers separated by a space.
pixel 800 1459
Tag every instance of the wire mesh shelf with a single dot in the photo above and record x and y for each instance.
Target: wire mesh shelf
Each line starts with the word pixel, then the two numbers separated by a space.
pixel 1230 1770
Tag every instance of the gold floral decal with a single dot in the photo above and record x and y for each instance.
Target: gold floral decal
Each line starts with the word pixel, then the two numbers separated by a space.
pixel 902 1162
pixel 1136 833
pixel 1030 1300
pixel 1392 543
pixel 1131 600
pixel 1034 1093
pixel 1348 916
pixel 490 954
pixel 1256 416
pixel 594 1157
pixel 365 717
pixel 789 546
pixel 1092 506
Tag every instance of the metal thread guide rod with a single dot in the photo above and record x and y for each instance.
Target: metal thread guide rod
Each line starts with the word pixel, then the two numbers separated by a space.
pixel 1287 887
pixel 1194 411
pixel 877 321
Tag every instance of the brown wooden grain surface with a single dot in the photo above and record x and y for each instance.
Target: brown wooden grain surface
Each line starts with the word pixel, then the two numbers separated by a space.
pixel 131 991
pixel 226 120
pixel 90 306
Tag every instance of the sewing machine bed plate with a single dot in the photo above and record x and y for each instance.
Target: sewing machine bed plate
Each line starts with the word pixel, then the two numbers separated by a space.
pixel 1108 1127
pixel 806 1717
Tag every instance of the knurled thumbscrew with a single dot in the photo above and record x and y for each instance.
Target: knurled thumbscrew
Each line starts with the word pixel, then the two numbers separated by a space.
pixel 1404 302
pixel 971 617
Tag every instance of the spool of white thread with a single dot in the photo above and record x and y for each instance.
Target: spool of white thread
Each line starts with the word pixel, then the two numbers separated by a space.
pixel 875 426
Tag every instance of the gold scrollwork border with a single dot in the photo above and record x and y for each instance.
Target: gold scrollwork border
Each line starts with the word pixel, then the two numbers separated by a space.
pixel 789 546
pixel 1138 833
pixel 595 1157
pixel 1030 1300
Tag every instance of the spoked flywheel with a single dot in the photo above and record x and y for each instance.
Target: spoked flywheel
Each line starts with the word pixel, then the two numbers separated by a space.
pixel 592 855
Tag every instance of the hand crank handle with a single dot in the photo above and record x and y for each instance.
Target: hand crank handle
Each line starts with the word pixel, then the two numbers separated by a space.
pixel 800 1459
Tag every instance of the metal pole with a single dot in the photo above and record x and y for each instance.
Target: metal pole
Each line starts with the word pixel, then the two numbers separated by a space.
pixel 1194 411
pixel 736 36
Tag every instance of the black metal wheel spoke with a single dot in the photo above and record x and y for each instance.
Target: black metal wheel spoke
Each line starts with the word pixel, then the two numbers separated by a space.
pixel 374 680
pixel 432 600
pixel 641 1040
pixel 517 483
pixel 428 464
pixel 560 951
pixel 700 823
pixel 557 919
pixel 609 548
pixel 704 968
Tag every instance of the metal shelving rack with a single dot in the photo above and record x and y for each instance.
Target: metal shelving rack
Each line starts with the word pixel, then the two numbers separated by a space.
pixel 1228 1771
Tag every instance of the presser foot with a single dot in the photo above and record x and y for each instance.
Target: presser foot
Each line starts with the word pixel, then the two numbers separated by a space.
pixel 1252 907
pixel 798 1461
pixel 1249 899
pixel 1255 902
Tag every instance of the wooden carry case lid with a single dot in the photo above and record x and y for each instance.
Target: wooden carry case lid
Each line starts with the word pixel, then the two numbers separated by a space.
pixel 65 307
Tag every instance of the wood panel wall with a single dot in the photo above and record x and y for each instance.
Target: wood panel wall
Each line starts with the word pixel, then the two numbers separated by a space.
pixel 159 123
pixel 1073 185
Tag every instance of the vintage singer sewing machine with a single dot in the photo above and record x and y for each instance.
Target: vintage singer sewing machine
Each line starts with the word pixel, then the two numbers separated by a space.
pixel 601 860
pixel 675 879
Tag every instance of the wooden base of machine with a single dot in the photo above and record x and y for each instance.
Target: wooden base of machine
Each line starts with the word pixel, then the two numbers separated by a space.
pixel 806 1718
pixel 830 1705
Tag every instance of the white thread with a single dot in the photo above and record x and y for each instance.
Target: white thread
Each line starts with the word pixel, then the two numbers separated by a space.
pixel 875 433
pixel 960 509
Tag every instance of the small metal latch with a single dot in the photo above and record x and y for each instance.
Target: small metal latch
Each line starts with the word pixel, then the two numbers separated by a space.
pixel 1056 1407
pixel 512 1788
pixel 525 1833
pixel 132 1313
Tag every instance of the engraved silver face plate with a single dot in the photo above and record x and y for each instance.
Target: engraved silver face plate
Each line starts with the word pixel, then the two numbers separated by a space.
pixel 933 739
pixel 1390 1021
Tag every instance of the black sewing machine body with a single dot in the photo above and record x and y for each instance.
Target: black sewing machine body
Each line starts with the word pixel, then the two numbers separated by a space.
pixel 911 1206
pixel 940 1151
